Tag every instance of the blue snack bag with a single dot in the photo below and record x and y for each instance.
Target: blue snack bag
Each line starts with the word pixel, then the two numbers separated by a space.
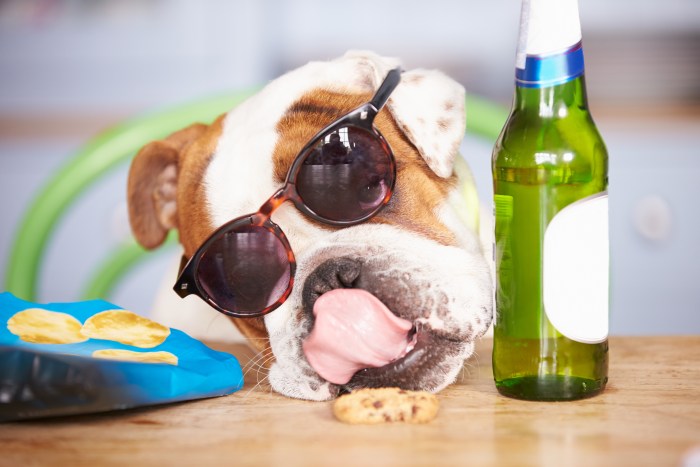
pixel 93 356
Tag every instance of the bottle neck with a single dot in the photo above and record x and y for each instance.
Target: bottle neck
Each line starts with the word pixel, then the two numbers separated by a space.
pixel 549 62
pixel 557 101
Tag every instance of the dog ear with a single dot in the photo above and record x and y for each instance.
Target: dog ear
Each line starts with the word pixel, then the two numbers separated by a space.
pixel 152 186
pixel 429 107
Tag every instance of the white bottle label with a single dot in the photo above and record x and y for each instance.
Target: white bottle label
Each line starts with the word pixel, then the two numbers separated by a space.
pixel 548 27
pixel 576 270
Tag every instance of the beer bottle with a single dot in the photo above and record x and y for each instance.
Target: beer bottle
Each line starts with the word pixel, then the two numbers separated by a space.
pixel 551 219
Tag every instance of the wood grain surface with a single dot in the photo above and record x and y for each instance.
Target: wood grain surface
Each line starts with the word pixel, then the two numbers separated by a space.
pixel 648 415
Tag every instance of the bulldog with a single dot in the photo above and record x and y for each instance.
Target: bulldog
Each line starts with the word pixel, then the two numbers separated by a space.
pixel 387 286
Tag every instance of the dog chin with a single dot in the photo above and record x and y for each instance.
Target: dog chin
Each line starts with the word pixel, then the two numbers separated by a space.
pixel 444 291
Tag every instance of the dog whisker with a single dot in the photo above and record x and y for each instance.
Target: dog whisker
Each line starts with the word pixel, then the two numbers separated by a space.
pixel 475 355
pixel 466 373
pixel 256 386
pixel 265 365
pixel 258 361
pixel 462 374
pixel 259 357
pixel 259 366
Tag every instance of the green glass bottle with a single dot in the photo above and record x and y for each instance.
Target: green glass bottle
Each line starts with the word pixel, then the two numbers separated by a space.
pixel 550 177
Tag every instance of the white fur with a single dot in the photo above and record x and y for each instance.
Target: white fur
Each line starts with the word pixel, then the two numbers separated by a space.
pixel 455 274
pixel 249 135
pixel 427 105
pixel 239 179
pixel 243 155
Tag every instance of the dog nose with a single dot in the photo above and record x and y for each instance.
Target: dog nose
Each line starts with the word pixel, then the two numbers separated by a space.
pixel 335 273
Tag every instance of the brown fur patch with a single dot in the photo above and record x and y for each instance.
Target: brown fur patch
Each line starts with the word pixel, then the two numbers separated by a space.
pixel 194 222
pixel 414 79
pixel 443 123
pixel 418 191
pixel 256 334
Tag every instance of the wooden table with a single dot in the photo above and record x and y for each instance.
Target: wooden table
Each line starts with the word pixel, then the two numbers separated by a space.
pixel 648 415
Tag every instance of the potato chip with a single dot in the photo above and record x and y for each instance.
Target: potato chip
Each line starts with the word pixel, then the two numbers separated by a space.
pixel 131 356
pixel 125 327
pixel 40 326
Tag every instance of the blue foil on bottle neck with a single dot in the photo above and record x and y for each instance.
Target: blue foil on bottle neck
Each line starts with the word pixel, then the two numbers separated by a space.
pixel 544 71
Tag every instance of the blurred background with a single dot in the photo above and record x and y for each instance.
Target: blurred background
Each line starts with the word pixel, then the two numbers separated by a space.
pixel 71 68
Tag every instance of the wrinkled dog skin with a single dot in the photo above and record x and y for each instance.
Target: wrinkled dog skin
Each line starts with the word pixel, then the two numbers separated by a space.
pixel 417 256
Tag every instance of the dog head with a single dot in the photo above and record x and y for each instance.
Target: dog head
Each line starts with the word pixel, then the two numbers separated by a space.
pixel 419 286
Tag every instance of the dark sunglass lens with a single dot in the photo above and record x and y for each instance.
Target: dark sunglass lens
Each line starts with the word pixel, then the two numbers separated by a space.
pixel 245 270
pixel 346 176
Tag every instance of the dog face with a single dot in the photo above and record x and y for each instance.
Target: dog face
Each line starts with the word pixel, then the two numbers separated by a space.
pixel 422 263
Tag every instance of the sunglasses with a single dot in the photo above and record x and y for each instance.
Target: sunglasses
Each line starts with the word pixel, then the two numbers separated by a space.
pixel 343 176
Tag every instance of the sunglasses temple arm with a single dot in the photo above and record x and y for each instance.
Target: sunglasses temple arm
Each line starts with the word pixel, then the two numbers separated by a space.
pixel 184 285
pixel 386 88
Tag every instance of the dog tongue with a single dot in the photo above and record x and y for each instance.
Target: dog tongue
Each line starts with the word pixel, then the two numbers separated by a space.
pixel 353 330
